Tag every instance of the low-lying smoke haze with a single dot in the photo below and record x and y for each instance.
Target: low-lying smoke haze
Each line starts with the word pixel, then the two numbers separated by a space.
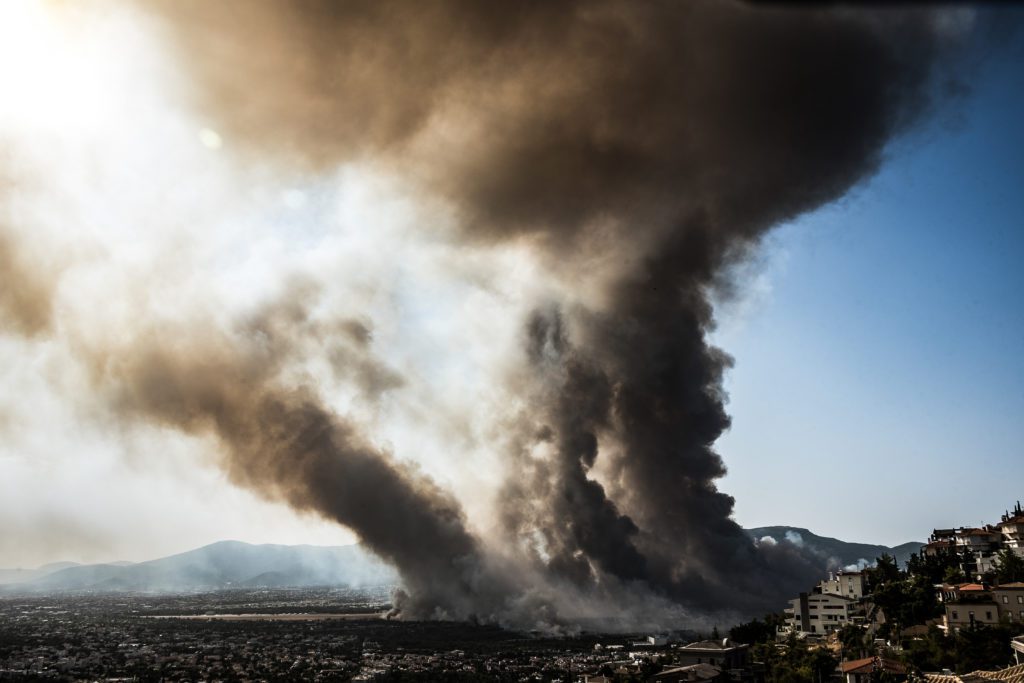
pixel 440 273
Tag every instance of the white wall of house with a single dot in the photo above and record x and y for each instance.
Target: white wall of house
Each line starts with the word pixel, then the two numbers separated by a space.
pixel 825 612
pixel 850 584
pixel 1010 601
pixel 961 614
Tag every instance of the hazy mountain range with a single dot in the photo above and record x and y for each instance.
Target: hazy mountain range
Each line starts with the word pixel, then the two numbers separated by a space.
pixel 224 564
pixel 233 564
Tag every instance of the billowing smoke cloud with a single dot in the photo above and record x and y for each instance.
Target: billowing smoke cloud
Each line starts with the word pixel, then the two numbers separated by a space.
pixel 26 279
pixel 24 297
pixel 278 438
pixel 639 151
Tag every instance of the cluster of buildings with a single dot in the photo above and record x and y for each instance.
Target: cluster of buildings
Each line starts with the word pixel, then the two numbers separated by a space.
pixel 978 602
pixel 978 546
pixel 703 661
pixel 843 597
pixel 970 604
pixel 708 660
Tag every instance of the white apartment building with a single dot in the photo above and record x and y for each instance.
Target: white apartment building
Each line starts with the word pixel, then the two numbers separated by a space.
pixel 1012 528
pixel 848 584
pixel 819 613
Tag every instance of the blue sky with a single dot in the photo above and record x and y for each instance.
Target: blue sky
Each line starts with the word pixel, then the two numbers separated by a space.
pixel 878 389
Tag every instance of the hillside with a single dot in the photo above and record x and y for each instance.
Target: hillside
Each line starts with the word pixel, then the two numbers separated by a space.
pixel 233 564
pixel 836 554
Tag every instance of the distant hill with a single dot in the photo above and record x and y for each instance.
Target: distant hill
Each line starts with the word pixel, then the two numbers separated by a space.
pixel 233 564
pixel 20 575
pixel 223 565
pixel 836 554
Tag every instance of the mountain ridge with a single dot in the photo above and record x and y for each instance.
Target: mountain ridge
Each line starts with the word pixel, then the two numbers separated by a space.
pixel 236 564
pixel 223 564
pixel 846 554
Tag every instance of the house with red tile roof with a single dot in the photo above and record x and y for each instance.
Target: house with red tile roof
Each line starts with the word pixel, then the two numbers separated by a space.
pixel 869 668
pixel 969 604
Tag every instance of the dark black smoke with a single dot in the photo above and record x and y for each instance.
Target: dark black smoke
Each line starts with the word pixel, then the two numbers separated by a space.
pixel 577 521
pixel 641 147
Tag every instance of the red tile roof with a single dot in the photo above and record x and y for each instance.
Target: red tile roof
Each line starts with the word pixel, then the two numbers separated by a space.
pixel 850 667
pixel 870 664
pixel 966 587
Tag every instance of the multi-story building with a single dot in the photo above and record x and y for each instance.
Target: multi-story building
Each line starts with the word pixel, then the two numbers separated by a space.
pixel 968 604
pixel 1009 598
pixel 725 653
pixel 964 614
pixel 819 613
pixel 849 584
pixel 976 545
pixel 986 539
pixel 1012 528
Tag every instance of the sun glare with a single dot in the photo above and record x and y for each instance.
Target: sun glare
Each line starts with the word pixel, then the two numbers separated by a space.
pixel 58 68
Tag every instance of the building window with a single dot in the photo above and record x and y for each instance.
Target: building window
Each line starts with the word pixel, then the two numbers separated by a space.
pixel 988 616
pixel 956 617
pixel 1006 599
pixel 1020 599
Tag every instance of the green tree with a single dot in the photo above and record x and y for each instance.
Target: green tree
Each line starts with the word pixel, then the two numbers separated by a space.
pixel 852 639
pixel 907 598
pixel 937 566
pixel 756 631
pixel 885 571
pixel 967 650
pixel 794 661
pixel 934 652
pixel 969 564
pixel 954 575
pixel 1009 566
pixel 982 647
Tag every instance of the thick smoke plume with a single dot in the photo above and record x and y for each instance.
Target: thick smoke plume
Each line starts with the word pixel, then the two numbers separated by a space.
pixel 639 151
pixel 278 438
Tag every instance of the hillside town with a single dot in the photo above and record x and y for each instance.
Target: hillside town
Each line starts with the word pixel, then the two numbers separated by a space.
pixel 957 608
